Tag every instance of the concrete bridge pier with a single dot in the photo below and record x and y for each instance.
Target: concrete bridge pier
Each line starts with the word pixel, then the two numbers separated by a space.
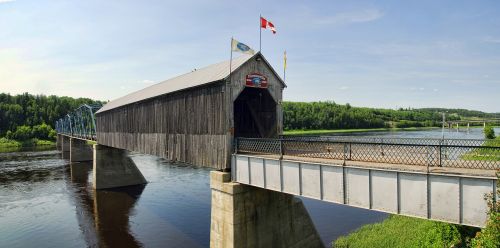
pixel 65 146
pixel 246 216
pixel 80 151
pixel 59 142
pixel 114 168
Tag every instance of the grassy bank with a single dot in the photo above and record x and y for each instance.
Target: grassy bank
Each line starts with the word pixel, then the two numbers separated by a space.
pixel 485 154
pixel 325 132
pixel 402 231
pixel 8 143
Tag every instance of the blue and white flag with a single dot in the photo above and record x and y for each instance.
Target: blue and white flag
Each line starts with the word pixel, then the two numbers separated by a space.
pixel 240 47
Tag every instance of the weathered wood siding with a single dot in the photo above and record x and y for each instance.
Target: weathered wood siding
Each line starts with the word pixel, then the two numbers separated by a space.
pixel 187 126
pixel 236 85
pixel 275 88
pixel 193 125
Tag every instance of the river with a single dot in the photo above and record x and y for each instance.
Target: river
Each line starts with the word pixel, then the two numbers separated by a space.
pixel 47 202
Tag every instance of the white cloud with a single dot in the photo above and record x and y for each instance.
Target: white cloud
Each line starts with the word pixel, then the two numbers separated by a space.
pixel 146 81
pixel 344 88
pixel 366 15
pixel 6 1
pixel 489 39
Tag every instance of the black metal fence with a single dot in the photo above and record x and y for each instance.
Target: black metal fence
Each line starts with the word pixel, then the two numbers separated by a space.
pixel 460 153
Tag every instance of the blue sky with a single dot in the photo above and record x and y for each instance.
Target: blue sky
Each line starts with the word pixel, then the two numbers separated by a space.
pixel 387 54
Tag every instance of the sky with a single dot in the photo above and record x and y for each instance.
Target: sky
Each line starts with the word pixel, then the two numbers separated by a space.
pixel 388 54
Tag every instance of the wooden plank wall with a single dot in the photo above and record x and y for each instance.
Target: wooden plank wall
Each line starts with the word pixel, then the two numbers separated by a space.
pixel 187 126
pixel 192 126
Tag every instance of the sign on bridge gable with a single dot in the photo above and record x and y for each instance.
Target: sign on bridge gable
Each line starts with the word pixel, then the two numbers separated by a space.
pixel 256 80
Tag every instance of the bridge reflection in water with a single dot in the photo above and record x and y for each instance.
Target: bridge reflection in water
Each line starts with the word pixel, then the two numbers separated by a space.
pixel 103 215
pixel 143 216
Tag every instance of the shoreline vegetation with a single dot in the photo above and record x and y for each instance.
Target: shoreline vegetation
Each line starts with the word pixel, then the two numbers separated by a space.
pixel 10 143
pixel 354 130
pixel 403 231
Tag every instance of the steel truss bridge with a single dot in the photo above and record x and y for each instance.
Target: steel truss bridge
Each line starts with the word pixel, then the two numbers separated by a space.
pixel 80 123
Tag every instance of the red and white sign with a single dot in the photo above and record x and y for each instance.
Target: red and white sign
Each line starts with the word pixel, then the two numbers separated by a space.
pixel 256 80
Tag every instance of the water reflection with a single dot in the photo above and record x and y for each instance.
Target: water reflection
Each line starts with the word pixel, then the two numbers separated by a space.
pixel 103 215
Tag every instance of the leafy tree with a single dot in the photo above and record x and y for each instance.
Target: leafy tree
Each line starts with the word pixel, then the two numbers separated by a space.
pixel 41 131
pixel 21 133
pixel 489 132
pixel 37 111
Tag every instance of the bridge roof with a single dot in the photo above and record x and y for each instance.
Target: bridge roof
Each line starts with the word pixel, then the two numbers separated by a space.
pixel 202 76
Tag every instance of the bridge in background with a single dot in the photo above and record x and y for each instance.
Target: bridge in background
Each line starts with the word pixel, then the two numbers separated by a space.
pixel 232 121
pixel 468 122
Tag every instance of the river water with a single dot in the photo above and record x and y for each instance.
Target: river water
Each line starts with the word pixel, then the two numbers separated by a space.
pixel 47 202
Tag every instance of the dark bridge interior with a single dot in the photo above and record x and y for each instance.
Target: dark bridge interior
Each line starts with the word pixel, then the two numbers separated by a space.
pixel 255 114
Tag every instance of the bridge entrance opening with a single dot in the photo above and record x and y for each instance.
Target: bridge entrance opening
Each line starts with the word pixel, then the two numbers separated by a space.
pixel 255 114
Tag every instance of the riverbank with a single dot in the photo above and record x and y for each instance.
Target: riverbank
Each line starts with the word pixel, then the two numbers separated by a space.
pixel 402 231
pixel 12 144
pixel 359 130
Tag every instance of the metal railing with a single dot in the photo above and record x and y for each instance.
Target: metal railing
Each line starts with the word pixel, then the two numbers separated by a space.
pixel 459 153
pixel 79 123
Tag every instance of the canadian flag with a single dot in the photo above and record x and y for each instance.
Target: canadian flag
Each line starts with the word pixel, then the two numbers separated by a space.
pixel 267 24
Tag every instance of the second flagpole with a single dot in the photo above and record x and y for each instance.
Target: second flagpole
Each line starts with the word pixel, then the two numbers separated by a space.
pixel 260 33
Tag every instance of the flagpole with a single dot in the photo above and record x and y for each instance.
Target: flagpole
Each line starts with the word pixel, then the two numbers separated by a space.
pixel 231 60
pixel 284 70
pixel 260 33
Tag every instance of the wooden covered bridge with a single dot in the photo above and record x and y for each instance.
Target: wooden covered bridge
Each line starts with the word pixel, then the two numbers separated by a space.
pixel 194 117
pixel 232 121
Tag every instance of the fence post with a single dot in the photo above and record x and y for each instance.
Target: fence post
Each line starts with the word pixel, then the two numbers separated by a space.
pixel 440 154
pixel 350 151
pixel 236 145
pixel 345 152
pixel 281 149
pixel 428 158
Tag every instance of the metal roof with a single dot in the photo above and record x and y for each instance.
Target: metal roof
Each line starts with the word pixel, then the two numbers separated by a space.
pixel 206 75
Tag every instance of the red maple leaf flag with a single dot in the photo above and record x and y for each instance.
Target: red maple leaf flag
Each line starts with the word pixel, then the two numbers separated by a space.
pixel 265 24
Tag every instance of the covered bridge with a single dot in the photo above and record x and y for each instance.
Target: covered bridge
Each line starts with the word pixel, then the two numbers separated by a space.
pixel 194 117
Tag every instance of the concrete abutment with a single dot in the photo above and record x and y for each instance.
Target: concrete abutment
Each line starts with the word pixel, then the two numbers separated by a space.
pixel 80 151
pixel 246 216
pixel 114 168
pixel 65 146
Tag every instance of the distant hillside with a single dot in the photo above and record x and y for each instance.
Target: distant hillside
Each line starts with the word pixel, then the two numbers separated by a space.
pixel 464 113
pixel 329 115
pixel 33 110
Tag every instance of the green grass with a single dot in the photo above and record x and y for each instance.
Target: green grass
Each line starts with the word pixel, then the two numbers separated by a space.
pixel 485 154
pixel 8 143
pixel 4 142
pixel 402 231
pixel 322 131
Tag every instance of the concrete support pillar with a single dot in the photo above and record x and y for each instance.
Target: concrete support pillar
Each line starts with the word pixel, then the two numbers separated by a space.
pixel 80 151
pixel 114 168
pixel 468 127
pixel 65 146
pixel 245 216
pixel 59 142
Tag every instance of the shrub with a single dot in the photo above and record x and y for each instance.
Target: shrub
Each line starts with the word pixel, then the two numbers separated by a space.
pixel 489 132
pixel 42 131
pixel 21 133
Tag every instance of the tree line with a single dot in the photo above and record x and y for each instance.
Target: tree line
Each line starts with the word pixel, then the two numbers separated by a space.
pixel 330 115
pixel 28 116
pixel 33 116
